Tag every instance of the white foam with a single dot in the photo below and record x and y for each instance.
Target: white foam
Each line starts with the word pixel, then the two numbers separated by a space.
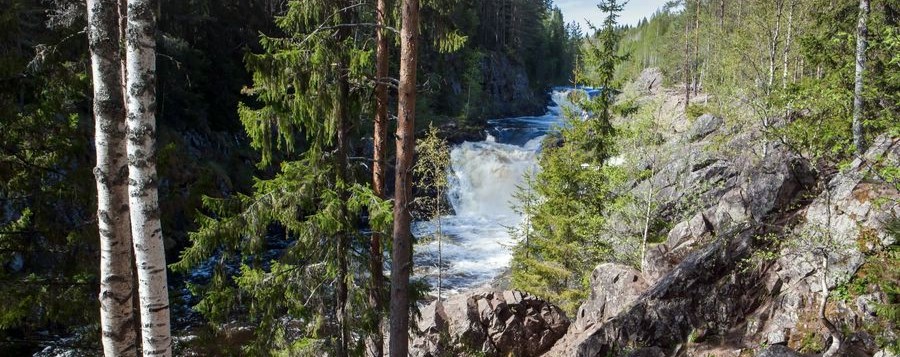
pixel 484 178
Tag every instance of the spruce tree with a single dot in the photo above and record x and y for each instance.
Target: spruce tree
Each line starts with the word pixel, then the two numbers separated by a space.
pixel 304 95
pixel 564 201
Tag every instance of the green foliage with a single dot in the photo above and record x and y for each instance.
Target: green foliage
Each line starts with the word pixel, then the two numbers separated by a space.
pixel 474 55
pixel 313 203
pixel 432 164
pixel 811 342
pixel 695 110
pixel 431 172
pixel 748 60
pixel 48 241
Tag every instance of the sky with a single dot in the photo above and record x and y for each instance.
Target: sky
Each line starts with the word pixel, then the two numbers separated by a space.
pixel 579 10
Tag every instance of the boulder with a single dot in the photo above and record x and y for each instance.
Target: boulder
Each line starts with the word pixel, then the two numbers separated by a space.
pixel 706 291
pixel 704 125
pixel 866 305
pixel 682 240
pixel 778 351
pixel 649 82
pixel 613 288
pixel 491 323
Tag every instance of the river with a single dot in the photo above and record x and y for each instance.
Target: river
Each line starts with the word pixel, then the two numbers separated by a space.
pixel 476 245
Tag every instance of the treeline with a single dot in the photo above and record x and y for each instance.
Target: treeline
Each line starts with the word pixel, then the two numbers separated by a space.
pixel 777 57
pixel 476 60
pixel 509 52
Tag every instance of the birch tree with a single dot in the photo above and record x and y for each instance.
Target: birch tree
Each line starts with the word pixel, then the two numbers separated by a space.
pixel 116 278
pixel 146 230
pixel 402 249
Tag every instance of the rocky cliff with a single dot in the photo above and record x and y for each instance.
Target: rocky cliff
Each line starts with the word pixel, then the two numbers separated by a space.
pixel 755 229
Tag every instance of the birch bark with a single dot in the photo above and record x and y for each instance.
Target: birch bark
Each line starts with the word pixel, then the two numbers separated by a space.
pixel 146 230
pixel 116 278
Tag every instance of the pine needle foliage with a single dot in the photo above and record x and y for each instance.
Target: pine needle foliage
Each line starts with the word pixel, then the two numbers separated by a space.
pixel 311 205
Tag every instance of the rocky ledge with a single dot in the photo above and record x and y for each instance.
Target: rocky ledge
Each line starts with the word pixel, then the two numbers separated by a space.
pixel 491 323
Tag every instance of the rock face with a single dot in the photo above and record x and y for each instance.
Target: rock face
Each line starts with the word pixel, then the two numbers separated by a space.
pixel 703 126
pixel 489 323
pixel 696 295
pixel 698 285
pixel 853 209
pixel 613 288
pixel 682 240
pixel 778 351
pixel 648 83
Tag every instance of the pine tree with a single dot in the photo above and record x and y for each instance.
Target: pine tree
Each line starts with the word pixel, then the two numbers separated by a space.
pixel 376 266
pixel 401 266
pixel 116 257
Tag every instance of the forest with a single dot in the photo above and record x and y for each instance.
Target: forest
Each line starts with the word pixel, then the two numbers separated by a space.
pixel 449 178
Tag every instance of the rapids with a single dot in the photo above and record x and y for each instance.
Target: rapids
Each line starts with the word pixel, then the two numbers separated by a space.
pixel 484 176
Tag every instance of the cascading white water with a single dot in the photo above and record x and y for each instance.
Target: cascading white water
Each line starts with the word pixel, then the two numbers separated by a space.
pixel 485 176
pixel 476 244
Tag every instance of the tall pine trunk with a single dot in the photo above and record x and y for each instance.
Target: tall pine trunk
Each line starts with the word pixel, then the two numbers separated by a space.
pixel 406 139
pixel 116 259
pixel 140 54
pixel 861 43
pixel 342 118
pixel 376 299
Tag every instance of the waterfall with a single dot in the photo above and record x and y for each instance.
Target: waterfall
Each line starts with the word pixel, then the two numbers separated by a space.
pixel 483 180
pixel 485 176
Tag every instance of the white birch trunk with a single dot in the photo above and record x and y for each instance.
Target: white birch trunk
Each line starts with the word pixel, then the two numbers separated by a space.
pixel 787 47
pixel 140 44
pixel 116 278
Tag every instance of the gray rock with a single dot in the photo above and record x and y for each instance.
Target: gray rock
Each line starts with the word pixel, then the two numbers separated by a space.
pixel 649 82
pixel 777 337
pixel 853 210
pixel 778 351
pixel 866 305
pixel 613 288
pixel 648 352
pixel 682 240
pixel 488 323
pixel 703 126
pixel 705 290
